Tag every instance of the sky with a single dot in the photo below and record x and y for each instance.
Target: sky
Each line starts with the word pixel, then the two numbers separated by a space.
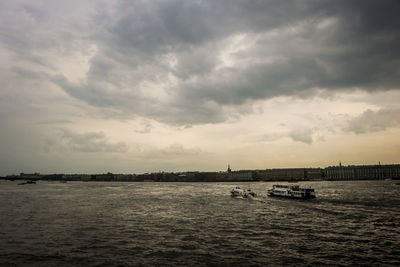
pixel 96 86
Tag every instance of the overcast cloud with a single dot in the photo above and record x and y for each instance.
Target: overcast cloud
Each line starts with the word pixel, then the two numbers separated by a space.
pixel 191 62
pixel 374 121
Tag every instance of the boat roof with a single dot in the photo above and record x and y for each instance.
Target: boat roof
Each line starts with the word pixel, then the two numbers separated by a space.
pixel 295 187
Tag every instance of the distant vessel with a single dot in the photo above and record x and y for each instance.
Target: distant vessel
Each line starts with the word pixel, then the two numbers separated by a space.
pixel 291 191
pixel 28 182
pixel 238 192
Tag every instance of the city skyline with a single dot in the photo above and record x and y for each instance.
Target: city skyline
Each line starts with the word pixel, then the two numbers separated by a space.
pixel 137 86
pixel 226 170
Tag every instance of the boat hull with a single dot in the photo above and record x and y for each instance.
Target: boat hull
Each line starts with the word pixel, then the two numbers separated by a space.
pixel 291 196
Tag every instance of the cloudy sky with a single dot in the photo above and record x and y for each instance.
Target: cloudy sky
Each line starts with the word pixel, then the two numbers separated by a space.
pixel 91 86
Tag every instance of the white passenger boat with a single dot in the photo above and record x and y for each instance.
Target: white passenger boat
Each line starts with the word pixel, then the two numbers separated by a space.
pixel 239 192
pixel 291 191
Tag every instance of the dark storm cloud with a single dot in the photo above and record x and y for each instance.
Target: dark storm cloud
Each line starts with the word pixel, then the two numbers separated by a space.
pixel 164 59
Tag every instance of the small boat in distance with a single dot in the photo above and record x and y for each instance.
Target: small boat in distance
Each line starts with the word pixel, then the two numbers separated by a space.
pixel 291 191
pixel 28 182
pixel 239 192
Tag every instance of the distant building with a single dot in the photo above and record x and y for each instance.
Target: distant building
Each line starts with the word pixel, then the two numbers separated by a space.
pixel 281 174
pixel 243 175
pixel 363 172
pixel 103 177
pixel 30 176
pixel 76 177
pixel 314 174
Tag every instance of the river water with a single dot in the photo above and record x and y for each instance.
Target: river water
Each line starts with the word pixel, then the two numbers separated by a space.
pixel 198 224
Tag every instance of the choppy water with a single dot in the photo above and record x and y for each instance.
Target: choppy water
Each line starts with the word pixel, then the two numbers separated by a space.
pixel 161 224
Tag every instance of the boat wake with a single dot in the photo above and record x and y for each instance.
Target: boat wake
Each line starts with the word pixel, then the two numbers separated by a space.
pixel 251 198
